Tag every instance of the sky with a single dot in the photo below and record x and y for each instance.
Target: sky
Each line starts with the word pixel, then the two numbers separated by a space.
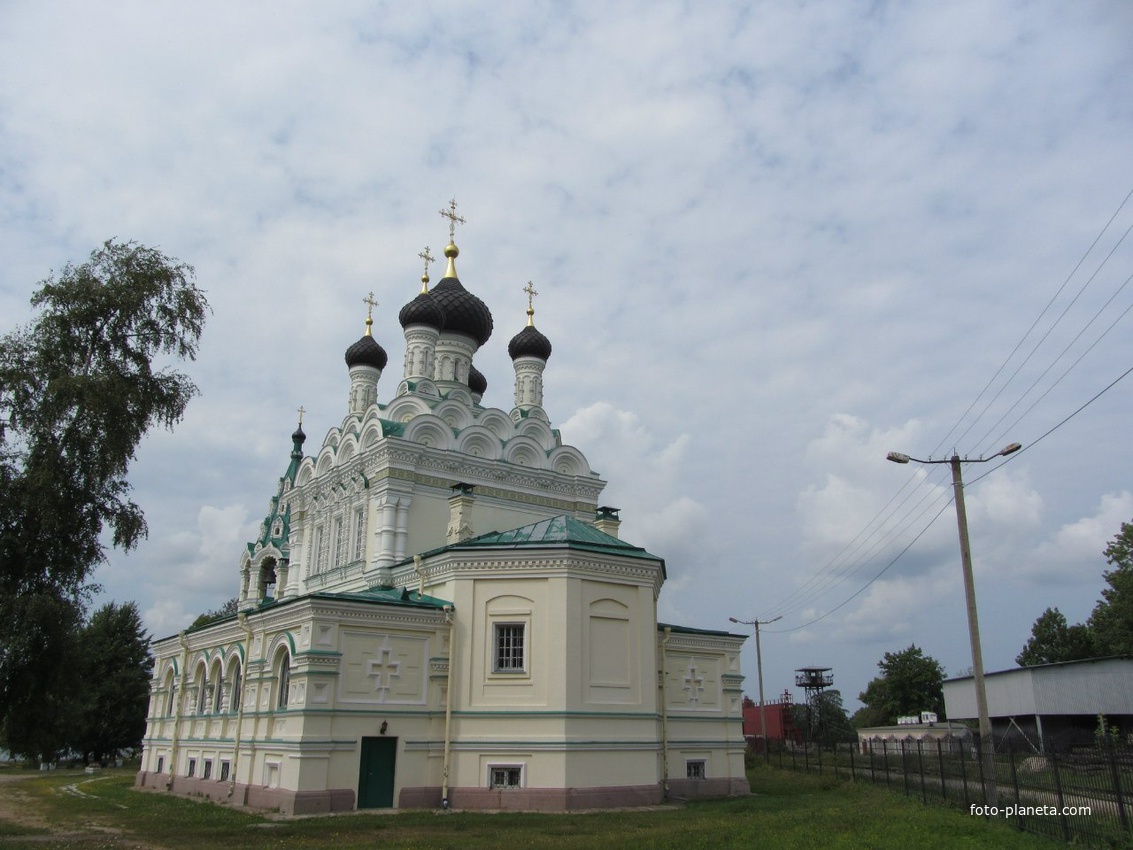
pixel 772 242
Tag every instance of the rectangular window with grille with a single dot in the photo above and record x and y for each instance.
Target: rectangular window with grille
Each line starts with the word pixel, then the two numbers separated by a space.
pixel 505 776
pixel 192 768
pixel 509 648
pixel 694 769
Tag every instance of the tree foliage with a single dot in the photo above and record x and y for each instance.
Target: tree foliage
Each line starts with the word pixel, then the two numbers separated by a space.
pixel 910 682
pixel 1112 619
pixel 226 610
pixel 1052 640
pixel 79 388
pixel 825 721
pixel 1108 631
pixel 116 665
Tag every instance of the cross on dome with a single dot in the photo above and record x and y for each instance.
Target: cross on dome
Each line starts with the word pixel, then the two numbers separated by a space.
pixel 453 219
pixel 370 305
pixel 428 258
pixel 531 293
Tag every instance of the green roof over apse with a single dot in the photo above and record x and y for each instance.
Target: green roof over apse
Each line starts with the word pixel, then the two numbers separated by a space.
pixel 562 530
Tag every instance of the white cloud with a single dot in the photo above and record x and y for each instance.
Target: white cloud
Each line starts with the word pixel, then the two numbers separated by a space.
pixel 778 240
pixel 1074 553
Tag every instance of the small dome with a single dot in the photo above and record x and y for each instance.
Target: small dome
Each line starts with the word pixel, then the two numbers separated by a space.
pixel 463 311
pixel 366 352
pixel 422 310
pixel 529 343
pixel 476 381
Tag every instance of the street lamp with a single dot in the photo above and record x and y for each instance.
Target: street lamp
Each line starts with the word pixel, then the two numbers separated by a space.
pixel 991 792
pixel 759 675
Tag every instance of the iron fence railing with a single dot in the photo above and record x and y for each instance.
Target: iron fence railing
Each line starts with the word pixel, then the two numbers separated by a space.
pixel 1081 795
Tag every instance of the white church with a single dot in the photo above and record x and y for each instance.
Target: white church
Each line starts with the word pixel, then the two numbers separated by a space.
pixel 438 612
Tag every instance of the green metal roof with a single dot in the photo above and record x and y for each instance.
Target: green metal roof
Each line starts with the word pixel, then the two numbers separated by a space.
pixel 387 596
pixel 689 630
pixel 562 530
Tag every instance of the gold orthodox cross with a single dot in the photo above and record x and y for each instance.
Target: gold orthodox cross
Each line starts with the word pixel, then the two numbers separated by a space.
pixel 453 218
pixel 370 305
pixel 428 258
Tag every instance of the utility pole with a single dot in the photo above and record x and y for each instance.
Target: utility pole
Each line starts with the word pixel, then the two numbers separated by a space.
pixel 987 745
pixel 759 676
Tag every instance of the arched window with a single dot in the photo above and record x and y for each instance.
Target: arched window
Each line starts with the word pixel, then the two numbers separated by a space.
pixel 237 689
pixel 202 689
pixel 217 690
pixel 170 692
pixel 284 679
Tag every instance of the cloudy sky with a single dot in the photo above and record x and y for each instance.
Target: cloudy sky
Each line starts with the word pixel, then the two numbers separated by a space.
pixel 773 241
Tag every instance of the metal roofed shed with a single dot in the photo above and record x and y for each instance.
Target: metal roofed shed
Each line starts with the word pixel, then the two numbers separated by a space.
pixel 1051 704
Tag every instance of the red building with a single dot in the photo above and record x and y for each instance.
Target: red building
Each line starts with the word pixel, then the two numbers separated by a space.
pixel 779 718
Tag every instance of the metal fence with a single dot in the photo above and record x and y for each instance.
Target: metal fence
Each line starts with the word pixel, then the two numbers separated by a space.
pixel 1080 795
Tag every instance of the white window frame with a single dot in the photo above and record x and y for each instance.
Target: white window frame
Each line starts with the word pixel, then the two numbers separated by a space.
pixel 339 552
pixel 284 694
pixel 202 692
pixel 359 534
pixel 504 655
pixel 518 770
pixel 319 553
pixel 236 693
pixel 217 696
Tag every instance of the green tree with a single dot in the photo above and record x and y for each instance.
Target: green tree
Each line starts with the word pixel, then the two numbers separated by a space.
pixel 1053 640
pixel 1112 619
pixel 226 610
pixel 910 682
pixel 78 390
pixel 825 721
pixel 116 666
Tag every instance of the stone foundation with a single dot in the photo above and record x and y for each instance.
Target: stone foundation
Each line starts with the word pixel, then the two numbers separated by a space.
pixel 429 797
pixel 254 796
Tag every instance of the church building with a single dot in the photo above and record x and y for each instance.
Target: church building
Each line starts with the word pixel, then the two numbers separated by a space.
pixel 439 612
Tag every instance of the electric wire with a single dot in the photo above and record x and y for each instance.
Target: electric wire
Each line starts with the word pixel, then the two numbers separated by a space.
pixel 893 521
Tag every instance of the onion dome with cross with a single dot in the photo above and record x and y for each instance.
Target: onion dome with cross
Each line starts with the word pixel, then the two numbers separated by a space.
pixel 366 351
pixel 529 342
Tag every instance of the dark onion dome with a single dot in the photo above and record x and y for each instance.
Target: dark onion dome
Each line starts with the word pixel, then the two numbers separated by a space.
pixel 476 381
pixel 463 311
pixel 529 343
pixel 422 310
pixel 366 352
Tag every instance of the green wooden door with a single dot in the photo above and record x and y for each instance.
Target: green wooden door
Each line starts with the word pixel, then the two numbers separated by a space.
pixel 375 773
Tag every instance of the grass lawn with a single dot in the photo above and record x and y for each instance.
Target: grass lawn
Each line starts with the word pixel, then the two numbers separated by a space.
pixel 787 810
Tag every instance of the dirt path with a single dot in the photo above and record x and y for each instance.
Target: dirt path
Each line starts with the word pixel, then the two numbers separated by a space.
pixel 19 807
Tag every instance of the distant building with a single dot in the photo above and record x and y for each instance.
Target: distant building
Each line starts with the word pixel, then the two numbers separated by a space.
pixel 1056 703
pixel 952 735
pixel 779 714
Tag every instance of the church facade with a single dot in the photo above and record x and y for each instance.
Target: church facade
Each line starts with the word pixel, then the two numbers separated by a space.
pixel 439 612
